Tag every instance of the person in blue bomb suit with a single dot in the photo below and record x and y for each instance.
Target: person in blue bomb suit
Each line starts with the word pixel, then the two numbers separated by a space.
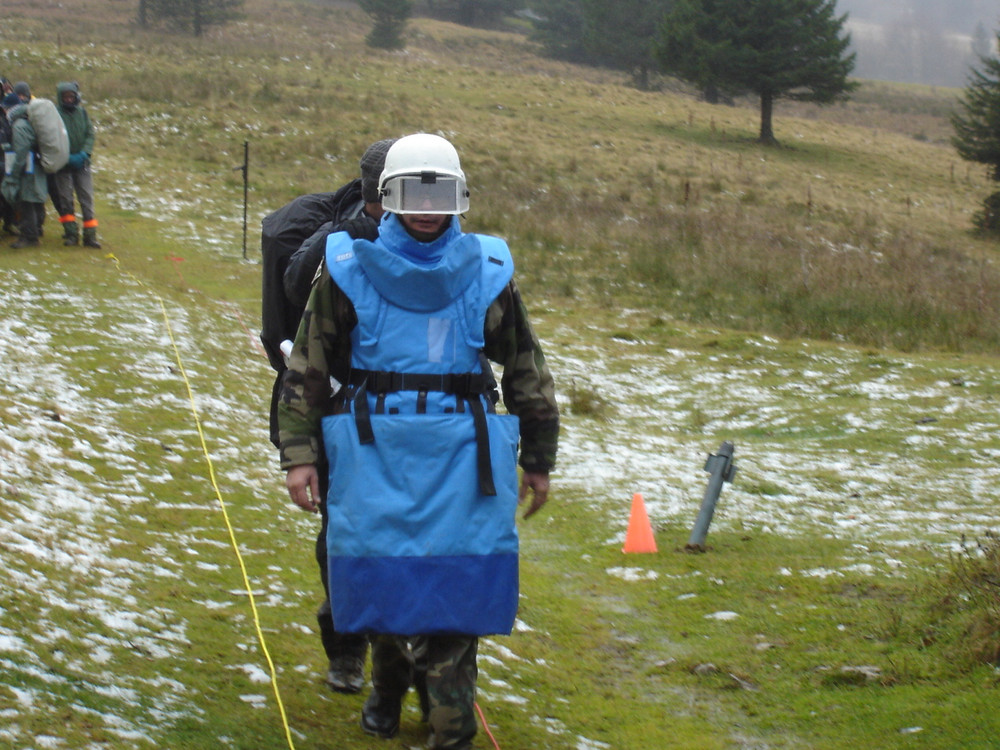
pixel 390 373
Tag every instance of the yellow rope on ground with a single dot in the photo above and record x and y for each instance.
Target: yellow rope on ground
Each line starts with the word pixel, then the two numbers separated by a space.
pixel 218 495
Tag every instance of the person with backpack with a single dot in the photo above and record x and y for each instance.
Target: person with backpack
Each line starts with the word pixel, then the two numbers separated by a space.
pixel 305 261
pixel 52 141
pixel 24 182
pixel 422 541
pixel 23 90
pixel 292 249
pixel 76 179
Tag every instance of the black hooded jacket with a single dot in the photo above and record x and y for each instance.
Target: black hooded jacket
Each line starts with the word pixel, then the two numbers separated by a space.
pixel 282 234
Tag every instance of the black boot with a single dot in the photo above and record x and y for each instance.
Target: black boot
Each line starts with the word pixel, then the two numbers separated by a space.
pixel 380 715
pixel 346 673
pixel 346 653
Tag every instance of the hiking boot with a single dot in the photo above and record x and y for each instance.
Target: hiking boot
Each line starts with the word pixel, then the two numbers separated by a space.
pixel 346 673
pixel 25 243
pixel 380 716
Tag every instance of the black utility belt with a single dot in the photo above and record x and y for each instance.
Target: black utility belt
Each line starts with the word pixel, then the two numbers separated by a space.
pixel 459 384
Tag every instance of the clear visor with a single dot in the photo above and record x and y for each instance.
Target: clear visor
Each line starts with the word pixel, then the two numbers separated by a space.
pixel 414 194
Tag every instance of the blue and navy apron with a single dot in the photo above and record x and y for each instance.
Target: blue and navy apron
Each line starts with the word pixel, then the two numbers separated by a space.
pixel 423 473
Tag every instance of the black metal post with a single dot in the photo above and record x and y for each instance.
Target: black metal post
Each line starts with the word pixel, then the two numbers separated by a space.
pixel 245 168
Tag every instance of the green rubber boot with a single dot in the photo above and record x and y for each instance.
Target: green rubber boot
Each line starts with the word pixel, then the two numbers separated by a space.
pixel 90 237
pixel 71 233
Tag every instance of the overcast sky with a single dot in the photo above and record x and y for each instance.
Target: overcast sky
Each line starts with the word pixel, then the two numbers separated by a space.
pixel 958 16
pixel 935 42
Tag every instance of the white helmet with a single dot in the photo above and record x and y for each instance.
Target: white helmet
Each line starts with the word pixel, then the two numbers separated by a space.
pixel 422 175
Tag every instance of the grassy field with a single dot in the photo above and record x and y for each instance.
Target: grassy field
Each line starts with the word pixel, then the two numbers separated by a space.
pixel 823 305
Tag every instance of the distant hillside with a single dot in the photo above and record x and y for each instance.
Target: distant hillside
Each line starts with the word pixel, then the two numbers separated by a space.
pixel 856 228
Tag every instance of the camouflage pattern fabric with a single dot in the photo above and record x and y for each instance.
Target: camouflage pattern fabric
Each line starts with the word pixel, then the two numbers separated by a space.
pixel 451 674
pixel 322 351
pixel 451 687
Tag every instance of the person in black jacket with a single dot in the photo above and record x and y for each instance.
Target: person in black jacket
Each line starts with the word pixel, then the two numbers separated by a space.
pixel 7 215
pixel 293 240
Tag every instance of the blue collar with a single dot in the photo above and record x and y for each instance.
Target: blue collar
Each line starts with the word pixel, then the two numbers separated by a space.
pixel 417 275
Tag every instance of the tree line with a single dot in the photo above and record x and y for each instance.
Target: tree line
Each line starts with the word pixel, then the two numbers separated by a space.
pixel 189 16
pixel 772 49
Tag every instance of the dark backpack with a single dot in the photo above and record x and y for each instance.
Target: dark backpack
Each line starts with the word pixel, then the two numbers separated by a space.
pixel 282 233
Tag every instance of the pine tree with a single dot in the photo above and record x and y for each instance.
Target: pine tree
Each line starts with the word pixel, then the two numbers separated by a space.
pixel 559 27
pixel 980 41
pixel 389 17
pixel 484 12
pixel 792 49
pixel 622 33
pixel 191 16
pixel 977 130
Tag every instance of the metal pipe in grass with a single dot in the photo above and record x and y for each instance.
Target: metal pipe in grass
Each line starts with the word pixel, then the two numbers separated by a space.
pixel 721 469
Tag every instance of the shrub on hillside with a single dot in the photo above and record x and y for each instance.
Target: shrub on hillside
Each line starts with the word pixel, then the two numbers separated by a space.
pixel 949 622
pixel 975 580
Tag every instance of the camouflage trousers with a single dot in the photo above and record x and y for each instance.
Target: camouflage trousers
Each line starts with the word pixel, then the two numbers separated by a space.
pixel 449 663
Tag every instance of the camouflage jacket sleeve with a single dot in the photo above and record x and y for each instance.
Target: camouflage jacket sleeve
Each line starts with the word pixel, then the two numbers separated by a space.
pixel 321 351
pixel 526 385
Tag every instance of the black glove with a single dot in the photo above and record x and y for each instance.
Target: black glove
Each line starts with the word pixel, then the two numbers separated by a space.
pixel 363 227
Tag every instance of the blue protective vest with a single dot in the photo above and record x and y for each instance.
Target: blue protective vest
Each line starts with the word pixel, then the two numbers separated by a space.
pixel 419 541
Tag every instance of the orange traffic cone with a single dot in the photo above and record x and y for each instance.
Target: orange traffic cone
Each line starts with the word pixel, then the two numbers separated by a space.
pixel 639 537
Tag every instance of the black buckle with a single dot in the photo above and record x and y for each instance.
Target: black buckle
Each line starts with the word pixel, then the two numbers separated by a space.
pixel 381 382
pixel 461 384
pixel 413 381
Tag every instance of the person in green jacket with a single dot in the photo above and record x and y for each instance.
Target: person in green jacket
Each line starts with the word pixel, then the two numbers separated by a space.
pixel 75 177
pixel 24 183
